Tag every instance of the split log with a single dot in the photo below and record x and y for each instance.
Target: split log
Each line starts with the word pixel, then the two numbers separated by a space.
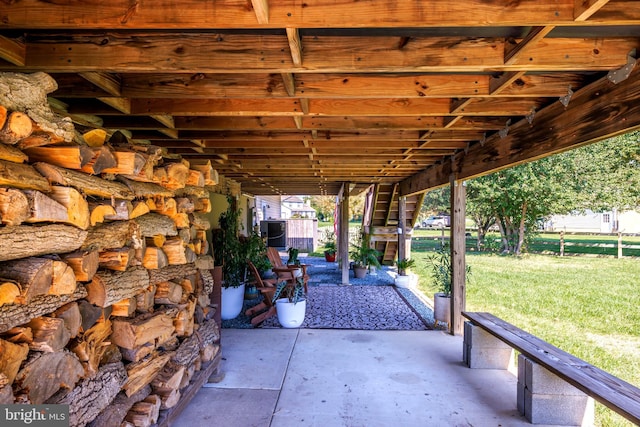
pixel 175 250
pixel 70 157
pixel 171 272
pixel 11 357
pixel 43 208
pixel 172 175
pixel 6 395
pixel 204 166
pixel 3 116
pixel 76 206
pixel 154 258
pixel 92 395
pixel 131 333
pixel 83 263
pixel 70 314
pixel 209 352
pixel 114 414
pixel 208 333
pixel 146 299
pixel 113 235
pixel 108 287
pixel 61 369
pixel 153 224
pixel 196 178
pixel 207 279
pixel 28 92
pixel 102 158
pixel 23 241
pixel 127 163
pixel 89 314
pixel 12 154
pixel 35 276
pixel 49 334
pixel 19 335
pixel 64 279
pixel 38 138
pixel 140 208
pixel 200 221
pixel 26 177
pixel 140 374
pixel 14 206
pixel 144 413
pixel 99 211
pixel 117 259
pixel 169 377
pixel 184 322
pixel 202 205
pixel 191 191
pixel 188 352
pixel 124 308
pixel 17 314
pixel 168 293
pixel 95 137
pixel 145 189
pixel 9 292
pixel 88 184
pixel 181 220
pixel 17 126
pixel 90 347
pixel 138 353
pixel 205 262
pixel 123 210
pixel 166 206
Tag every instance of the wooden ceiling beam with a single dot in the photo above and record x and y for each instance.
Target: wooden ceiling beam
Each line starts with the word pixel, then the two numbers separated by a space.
pixel 615 105
pixel 584 9
pixel 211 53
pixel 110 83
pixel 194 14
pixel 499 83
pixel 514 50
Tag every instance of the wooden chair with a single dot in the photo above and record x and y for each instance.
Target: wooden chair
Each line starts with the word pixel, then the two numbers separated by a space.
pixel 285 272
pixel 267 287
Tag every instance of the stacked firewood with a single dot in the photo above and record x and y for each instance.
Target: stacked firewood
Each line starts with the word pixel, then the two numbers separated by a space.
pixel 105 276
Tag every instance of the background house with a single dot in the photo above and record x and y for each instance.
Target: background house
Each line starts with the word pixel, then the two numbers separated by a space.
pixel 287 222
pixel 596 222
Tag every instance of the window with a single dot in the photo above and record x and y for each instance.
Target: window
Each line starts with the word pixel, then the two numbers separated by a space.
pixel 606 218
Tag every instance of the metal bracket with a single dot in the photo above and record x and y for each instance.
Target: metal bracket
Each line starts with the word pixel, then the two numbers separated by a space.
pixel 564 100
pixel 621 74
pixel 531 115
pixel 505 131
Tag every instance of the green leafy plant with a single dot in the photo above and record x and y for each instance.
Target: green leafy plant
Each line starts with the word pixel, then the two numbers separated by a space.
pixel 363 254
pixel 293 256
pixel 329 240
pixel 227 248
pixel 404 264
pixel 254 249
pixel 441 271
pixel 294 293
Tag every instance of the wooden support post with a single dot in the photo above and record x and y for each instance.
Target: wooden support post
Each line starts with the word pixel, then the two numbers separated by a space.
pixel 458 248
pixel 619 245
pixel 343 242
pixel 402 227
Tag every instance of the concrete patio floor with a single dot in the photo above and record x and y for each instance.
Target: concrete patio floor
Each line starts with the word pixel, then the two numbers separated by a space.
pixel 320 377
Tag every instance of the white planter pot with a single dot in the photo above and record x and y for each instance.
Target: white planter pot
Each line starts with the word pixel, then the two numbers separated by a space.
pixel 232 299
pixel 442 308
pixel 291 315
pixel 407 281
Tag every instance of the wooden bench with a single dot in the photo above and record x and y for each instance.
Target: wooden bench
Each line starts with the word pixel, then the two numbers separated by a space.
pixel 620 396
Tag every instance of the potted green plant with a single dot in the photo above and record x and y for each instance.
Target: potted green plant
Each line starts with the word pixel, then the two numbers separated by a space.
pixel 291 303
pixel 441 273
pixel 227 252
pixel 363 256
pixel 253 249
pixel 330 247
pixel 405 278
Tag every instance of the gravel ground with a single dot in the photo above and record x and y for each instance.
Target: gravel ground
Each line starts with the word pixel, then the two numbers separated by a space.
pixel 322 273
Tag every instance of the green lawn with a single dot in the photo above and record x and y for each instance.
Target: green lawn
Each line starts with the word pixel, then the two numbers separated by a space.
pixel 586 306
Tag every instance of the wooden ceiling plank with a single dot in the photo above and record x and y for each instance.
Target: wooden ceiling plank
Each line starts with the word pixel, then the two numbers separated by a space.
pixel 515 50
pixel 561 128
pixel 456 105
pixel 210 53
pixel 295 46
pixel 584 9
pixel 12 51
pixel 165 119
pixel 289 84
pixel 108 82
pixel 217 107
pixel 194 14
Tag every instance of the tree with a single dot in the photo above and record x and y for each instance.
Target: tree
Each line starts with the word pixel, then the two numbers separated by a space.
pixel 324 206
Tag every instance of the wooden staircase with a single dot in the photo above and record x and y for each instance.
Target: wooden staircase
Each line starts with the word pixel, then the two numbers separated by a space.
pixel 382 221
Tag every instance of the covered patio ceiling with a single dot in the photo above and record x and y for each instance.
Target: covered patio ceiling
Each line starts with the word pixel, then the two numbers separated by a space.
pixel 292 97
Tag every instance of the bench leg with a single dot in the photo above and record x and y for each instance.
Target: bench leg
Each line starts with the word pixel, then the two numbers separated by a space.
pixel 481 350
pixel 545 398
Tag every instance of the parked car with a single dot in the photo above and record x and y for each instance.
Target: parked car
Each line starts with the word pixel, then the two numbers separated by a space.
pixel 437 221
